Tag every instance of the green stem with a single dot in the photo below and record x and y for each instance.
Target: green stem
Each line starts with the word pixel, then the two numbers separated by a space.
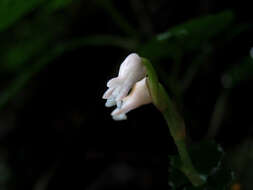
pixel 177 130
pixel 175 123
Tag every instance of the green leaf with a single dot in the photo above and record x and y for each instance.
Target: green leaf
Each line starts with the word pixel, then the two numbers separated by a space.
pixel 156 50
pixel 55 5
pixel 221 179
pixel 117 17
pixel 176 178
pixel 12 10
pixel 238 73
pixel 207 158
pixel 15 57
pixel 194 32
pixel 189 36
pixel 23 78
pixel 236 30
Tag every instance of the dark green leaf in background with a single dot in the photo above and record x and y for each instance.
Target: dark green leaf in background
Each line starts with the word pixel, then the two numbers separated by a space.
pixel 238 73
pixel 207 158
pixel 190 35
pixel 55 5
pixel 197 31
pixel 13 10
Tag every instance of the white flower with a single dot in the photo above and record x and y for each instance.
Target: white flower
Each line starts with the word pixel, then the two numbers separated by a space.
pixel 130 72
pixel 139 96
pixel 131 76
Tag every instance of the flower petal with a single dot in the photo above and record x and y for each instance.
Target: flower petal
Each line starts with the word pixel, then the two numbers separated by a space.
pixel 108 93
pixel 126 107
pixel 119 117
pixel 113 82
pixel 138 97
pixel 122 94
pixel 110 102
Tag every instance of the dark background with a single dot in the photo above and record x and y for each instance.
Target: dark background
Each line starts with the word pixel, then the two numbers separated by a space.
pixel 55 59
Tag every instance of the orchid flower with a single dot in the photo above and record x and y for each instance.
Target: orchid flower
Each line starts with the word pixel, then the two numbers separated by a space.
pixel 132 75
pixel 131 71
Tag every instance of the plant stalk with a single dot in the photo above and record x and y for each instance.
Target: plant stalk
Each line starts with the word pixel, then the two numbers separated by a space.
pixel 177 131
pixel 175 123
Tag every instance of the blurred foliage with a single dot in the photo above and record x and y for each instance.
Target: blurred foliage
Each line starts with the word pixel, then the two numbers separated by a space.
pixel 5 172
pixel 109 7
pixel 33 45
pixel 238 73
pixel 188 36
pixel 12 10
pixel 56 5
pixel 241 160
pixel 33 33
pixel 208 160
pixel 31 38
